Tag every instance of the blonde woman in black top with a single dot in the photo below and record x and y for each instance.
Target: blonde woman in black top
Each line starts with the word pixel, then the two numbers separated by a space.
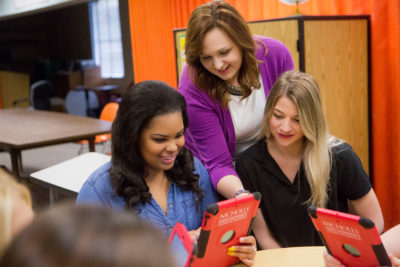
pixel 298 163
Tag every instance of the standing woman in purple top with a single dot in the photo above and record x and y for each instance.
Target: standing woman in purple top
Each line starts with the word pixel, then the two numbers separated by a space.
pixel 229 74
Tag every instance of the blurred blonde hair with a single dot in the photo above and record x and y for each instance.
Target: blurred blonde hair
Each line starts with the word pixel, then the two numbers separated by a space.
pixel 10 191
pixel 303 90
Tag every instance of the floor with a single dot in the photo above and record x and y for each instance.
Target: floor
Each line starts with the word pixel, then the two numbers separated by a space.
pixel 39 158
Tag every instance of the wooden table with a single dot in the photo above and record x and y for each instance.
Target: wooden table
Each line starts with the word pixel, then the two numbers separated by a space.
pixel 288 257
pixel 26 128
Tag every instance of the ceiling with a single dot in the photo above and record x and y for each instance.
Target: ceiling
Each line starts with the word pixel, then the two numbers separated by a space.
pixel 17 8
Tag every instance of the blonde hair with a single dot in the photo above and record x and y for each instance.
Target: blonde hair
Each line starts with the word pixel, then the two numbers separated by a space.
pixel 221 15
pixel 10 191
pixel 303 90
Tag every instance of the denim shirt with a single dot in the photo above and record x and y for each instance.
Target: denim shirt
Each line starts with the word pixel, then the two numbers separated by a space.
pixel 181 205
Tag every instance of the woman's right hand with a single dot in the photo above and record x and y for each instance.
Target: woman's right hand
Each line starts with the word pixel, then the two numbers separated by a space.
pixel 245 251
pixel 331 261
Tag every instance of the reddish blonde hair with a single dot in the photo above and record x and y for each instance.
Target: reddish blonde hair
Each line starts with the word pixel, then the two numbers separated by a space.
pixel 221 15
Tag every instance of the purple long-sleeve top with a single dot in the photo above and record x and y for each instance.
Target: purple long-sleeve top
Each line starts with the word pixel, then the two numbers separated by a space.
pixel 211 134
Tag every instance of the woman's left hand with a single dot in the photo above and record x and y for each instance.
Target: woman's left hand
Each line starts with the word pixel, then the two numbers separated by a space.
pixel 246 251
pixel 194 234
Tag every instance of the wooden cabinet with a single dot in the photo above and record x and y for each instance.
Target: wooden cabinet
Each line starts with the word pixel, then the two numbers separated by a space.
pixel 13 85
pixel 335 51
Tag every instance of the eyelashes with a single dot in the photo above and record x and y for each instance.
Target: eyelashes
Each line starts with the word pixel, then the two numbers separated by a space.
pixel 164 139
pixel 222 53
pixel 281 117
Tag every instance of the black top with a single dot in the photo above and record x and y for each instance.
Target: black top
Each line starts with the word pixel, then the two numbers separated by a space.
pixel 283 203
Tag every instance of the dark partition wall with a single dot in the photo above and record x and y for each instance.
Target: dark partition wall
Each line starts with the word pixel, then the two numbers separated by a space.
pixel 57 35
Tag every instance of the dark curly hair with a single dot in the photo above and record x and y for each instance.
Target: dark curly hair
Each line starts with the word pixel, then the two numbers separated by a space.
pixel 138 107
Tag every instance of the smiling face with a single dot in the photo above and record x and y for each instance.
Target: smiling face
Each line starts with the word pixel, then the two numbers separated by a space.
pixel 284 124
pixel 221 56
pixel 161 141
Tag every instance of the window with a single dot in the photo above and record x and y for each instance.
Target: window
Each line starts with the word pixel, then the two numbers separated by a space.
pixel 106 37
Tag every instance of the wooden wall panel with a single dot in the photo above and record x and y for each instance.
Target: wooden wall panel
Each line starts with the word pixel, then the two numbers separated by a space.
pixel 286 31
pixel 339 62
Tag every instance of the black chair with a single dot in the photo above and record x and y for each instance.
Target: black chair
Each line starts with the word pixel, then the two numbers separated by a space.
pixel 40 94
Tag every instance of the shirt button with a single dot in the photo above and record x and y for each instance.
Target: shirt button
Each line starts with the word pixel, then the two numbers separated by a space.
pixel 170 205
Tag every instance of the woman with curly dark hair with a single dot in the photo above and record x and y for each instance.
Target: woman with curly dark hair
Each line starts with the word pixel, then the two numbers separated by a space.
pixel 151 172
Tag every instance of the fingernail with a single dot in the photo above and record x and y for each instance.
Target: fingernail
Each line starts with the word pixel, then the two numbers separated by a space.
pixel 241 239
pixel 231 249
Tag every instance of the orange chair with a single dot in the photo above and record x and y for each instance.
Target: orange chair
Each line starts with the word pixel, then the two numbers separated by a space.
pixel 108 113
